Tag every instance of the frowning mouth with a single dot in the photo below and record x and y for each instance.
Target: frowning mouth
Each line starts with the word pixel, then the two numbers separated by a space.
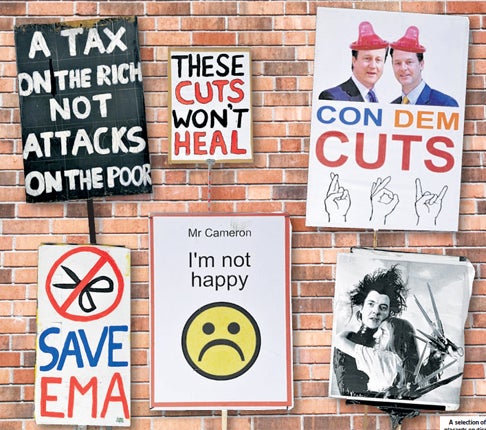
pixel 225 342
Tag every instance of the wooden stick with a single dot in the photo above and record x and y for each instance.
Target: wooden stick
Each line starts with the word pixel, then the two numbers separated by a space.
pixel 224 419
pixel 210 163
pixel 91 222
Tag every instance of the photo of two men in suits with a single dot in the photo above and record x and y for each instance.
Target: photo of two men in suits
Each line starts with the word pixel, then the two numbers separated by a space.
pixel 369 53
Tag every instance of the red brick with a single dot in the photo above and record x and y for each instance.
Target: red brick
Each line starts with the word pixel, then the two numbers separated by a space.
pixel 266 423
pixel 201 24
pixel 281 37
pixel 121 8
pixel 86 8
pixel 23 376
pixel 17 410
pixel 168 8
pixel 324 423
pixel 13 8
pixel 226 8
pixel 10 359
pixel 214 38
pixel 269 38
pixel 46 8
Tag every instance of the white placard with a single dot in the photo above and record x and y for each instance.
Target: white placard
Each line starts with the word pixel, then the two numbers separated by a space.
pixel 220 311
pixel 386 165
pixel 83 336
pixel 210 105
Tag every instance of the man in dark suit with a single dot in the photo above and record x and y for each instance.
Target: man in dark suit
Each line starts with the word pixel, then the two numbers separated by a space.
pixel 408 62
pixel 368 59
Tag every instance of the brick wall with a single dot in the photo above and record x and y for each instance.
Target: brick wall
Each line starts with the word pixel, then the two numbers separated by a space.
pixel 281 37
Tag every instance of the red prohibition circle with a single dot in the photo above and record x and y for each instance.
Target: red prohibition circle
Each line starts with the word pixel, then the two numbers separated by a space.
pixel 105 258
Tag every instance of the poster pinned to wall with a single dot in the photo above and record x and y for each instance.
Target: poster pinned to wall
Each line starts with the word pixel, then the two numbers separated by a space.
pixel 82 370
pixel 220 311
pixel 82 110
pixel 398 328
pixel 210 105
pixel 376 161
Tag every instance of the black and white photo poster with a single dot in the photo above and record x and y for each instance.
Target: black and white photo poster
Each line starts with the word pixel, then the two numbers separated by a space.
pixel 398 328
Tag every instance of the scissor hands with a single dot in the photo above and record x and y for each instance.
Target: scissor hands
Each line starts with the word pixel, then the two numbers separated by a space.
pixel 437 339
pixel 85 294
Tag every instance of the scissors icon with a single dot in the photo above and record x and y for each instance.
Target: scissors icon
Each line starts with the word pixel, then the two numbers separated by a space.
pixel 85 295
pixel 438 340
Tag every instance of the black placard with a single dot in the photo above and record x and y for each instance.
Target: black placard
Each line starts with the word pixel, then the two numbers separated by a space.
pixel 82 110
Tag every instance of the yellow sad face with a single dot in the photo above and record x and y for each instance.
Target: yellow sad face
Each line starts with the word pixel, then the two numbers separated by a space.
pixel 221 341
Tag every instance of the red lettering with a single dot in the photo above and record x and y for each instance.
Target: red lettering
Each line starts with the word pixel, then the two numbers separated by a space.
pixel 74 384
pixel 185 144
pixel 406 140
pixel 178 95
pixel 449 159
pixel 218 142
pixel 199 144
pixel 199 97
pixel 360 152
pixel 433 148
pixel 115 380
pixel 234 144
pixel 239 92
pixel 45 397
pixel 220 84
pixel 320 149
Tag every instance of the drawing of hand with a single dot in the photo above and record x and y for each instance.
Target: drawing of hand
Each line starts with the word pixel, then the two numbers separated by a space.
pixel 383 201
pixel 337 201
pixel 427 204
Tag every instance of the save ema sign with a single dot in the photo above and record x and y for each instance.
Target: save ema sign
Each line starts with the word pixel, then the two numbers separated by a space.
pixel 82 110
pixel 210 105
pixel 83 336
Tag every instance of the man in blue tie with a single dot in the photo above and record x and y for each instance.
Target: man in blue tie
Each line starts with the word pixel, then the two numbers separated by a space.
pixel 408 62
pixel 369 53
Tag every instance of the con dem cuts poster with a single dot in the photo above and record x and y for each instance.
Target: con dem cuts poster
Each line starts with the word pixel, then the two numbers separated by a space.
pixel 398 329
pixel 387 120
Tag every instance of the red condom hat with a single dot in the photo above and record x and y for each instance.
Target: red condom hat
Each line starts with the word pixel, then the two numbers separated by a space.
pixel 409 42
pixel 368 39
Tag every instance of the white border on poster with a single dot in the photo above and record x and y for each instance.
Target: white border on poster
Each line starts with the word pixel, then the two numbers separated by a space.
pixel 267 384
pixel 450 279
pixel 446 40
pixel 83 336
pixel 224 86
